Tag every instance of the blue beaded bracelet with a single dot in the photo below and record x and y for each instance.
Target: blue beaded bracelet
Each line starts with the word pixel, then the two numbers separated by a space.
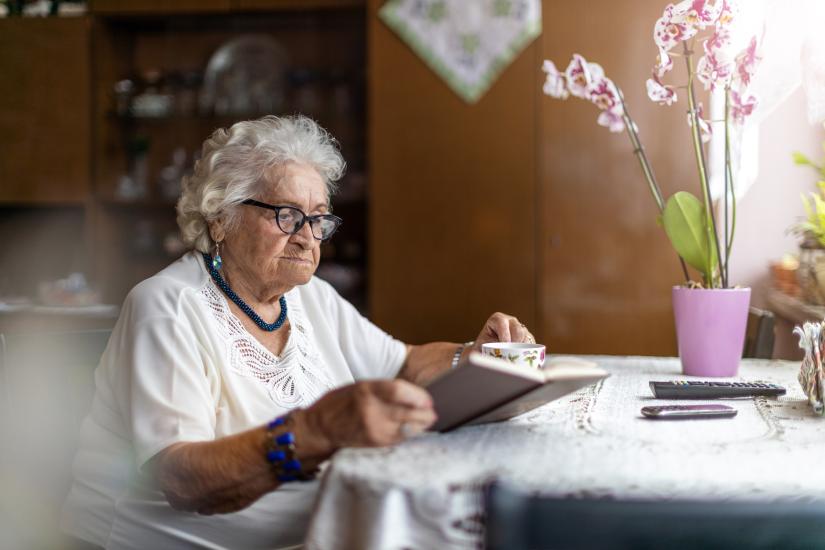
pixel 280 453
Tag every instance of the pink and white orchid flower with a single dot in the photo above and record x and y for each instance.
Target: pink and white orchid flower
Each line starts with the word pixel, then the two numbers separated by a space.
pixel 746 62
pixel 730 9
pixel 603 94
pixel 612 119
pixel 581 74
pixel 586 81
pixel 701 13
pixel 704 126
pixel 660 93
pixel 715 68
pixel 741 107
pixel 556 83
pixel 681 22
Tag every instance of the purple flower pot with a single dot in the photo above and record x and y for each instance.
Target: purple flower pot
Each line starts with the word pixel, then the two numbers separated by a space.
pixel 710 328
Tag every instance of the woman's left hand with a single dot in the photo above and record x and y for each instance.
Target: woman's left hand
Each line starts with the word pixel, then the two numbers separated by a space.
pixel 501 327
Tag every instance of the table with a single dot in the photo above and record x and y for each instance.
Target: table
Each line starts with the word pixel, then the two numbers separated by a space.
pixel 790 311
pixel 425 493
pixel 34 318
pixel 793 308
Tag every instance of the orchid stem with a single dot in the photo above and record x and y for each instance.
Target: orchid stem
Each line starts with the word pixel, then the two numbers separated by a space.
pixel 710 225
pixel 639 151
pixel 728 183
pixel 729 178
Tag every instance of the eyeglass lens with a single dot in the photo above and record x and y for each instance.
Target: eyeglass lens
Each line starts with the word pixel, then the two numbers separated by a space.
pixel 290 220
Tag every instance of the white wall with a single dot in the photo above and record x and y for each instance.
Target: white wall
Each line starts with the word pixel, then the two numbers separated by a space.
pixel 773 204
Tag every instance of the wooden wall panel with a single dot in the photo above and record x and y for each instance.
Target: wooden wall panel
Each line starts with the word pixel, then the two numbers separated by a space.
pixel 44 112
pixel 606 268
pixel 452 194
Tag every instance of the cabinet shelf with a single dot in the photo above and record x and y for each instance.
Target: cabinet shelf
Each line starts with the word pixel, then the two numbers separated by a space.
pixel 163 54
pixel 159 204
pixel 177 118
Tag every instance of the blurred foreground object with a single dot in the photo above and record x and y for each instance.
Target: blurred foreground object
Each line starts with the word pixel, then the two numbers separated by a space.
pixel 516 520
pixel 811 376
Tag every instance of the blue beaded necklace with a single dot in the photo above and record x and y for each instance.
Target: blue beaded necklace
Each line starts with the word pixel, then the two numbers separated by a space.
pixel 269 327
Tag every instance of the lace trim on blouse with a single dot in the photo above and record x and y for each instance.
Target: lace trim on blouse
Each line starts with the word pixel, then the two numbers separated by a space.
pixel 297 377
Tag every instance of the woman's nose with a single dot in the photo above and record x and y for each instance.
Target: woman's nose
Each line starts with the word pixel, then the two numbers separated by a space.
pixel 304 236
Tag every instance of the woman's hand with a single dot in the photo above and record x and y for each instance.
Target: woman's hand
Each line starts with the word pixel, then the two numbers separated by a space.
pixel 371 413
pixel 501 327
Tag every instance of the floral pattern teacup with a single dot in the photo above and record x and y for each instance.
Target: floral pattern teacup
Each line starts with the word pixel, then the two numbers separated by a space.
pixel 527 355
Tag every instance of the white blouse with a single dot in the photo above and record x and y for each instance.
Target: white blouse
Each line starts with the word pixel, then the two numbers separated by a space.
pixel 180 366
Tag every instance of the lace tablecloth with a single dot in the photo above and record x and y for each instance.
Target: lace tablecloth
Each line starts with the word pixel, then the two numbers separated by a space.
pixel 425 493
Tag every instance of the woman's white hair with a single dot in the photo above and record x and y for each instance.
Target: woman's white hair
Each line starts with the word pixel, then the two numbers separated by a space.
pixel 233 164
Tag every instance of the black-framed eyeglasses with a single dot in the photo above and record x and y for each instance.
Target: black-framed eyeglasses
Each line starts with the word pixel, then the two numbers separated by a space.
pixel 290 220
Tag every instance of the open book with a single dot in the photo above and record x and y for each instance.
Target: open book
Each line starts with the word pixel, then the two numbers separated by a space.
pixel 485 389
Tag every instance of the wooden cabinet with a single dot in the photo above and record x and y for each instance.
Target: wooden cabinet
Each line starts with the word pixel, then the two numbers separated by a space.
pixel 155 7
pixel 72 141
pixel 44 110
pixel 165 57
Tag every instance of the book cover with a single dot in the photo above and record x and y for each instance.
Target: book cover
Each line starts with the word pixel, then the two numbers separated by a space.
pixel 485 389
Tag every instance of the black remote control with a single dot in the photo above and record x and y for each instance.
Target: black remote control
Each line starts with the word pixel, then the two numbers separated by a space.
pixel 688 389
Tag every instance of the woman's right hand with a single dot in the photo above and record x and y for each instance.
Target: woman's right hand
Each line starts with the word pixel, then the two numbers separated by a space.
pixel 372 413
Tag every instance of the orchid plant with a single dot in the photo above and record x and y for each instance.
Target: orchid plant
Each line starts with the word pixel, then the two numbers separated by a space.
pixel 690 224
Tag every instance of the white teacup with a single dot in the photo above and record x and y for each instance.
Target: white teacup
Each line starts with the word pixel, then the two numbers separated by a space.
pixel 518 353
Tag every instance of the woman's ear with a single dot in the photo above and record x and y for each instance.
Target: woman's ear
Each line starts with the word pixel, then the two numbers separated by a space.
pixel 217 231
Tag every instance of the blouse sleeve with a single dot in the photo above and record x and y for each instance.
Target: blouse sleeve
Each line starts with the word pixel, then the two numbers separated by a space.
pixel 370 352
pixel 165 393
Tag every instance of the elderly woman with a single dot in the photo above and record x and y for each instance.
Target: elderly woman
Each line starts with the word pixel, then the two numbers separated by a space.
pixel 233 374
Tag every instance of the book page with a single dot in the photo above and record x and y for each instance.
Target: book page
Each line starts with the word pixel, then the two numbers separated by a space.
pixel 485 389
pixel 550 391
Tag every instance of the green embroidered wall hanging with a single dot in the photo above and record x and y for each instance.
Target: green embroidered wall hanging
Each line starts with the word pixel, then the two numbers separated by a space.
pixel 466 42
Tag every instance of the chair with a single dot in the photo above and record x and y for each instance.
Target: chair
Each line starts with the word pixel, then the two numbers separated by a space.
pixel 517 521
pixel 759 336
pixel 46 388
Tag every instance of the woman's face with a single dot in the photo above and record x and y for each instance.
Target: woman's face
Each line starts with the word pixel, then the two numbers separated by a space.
pixel 256 247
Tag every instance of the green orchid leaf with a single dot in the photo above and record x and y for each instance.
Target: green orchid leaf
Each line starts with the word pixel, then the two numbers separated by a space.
pixel 801 159
pixel 685 224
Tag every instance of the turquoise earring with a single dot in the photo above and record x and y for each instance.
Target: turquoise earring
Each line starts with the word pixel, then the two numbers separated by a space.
pixel 217 262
